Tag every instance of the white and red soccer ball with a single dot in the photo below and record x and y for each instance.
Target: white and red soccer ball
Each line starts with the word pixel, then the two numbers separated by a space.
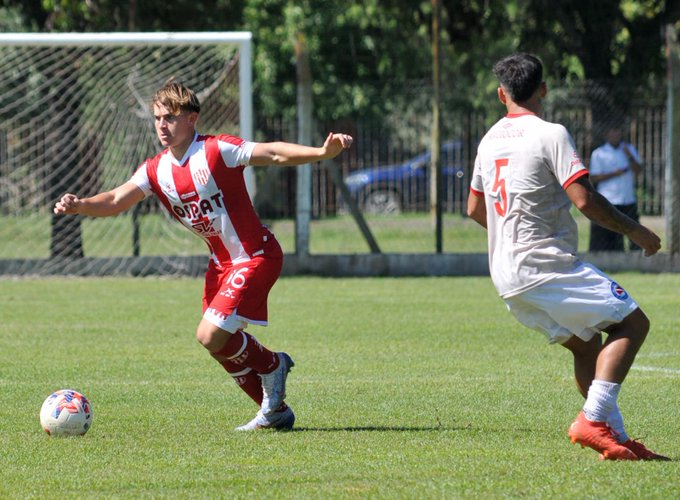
pixel 66 413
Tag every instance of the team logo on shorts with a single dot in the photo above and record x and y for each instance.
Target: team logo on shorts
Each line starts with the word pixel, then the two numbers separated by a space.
pixel 618 291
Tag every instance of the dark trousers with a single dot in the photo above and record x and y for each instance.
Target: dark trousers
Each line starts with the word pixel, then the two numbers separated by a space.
pixel 604 240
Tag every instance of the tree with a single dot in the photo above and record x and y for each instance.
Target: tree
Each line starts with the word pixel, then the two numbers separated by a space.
pixel 371 59
pixel 361 52
pixel 130 15
pixel 604 43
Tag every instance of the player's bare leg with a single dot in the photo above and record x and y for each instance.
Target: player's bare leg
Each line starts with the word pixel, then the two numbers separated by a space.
pixel 622 345
pixel 596 426
pixel 618 355
pixel 585 360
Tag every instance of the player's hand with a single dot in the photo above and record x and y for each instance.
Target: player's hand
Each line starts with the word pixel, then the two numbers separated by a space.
pixel 335 143
pixel 646 239
pixel 68 205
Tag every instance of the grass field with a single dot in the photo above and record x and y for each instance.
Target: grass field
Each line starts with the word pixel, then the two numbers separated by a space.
pixel 404 388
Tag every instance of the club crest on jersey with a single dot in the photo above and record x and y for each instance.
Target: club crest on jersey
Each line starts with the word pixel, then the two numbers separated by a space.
pixel 202 176
pixel 618 291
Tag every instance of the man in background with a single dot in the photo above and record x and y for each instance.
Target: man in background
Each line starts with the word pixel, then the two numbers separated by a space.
pixel 614 167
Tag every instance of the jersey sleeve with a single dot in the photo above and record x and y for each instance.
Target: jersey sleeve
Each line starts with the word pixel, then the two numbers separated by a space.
pixel 566 160
pixel 235 151
pixel 141 179
pixel 476 184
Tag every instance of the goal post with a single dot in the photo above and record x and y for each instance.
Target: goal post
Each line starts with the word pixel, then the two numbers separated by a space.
pixel 74 116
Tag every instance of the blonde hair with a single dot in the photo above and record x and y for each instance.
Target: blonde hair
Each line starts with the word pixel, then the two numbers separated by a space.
pixel 176 98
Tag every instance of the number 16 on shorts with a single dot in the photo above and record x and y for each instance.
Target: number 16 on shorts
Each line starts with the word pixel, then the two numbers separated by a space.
pixel 234 283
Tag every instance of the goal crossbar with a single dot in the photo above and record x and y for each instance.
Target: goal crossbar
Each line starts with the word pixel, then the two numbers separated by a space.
pixel 118 38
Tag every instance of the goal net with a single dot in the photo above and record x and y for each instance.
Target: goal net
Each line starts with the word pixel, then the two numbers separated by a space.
pixel 74 117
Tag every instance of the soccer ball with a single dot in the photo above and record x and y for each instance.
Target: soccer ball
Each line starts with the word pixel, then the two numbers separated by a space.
pixel 66 413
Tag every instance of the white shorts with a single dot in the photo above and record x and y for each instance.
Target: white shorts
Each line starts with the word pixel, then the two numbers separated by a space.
pixel 582 303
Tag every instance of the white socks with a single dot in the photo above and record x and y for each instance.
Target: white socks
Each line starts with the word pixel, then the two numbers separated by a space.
pixel 601 400
pixel 615 422
pixel 601 406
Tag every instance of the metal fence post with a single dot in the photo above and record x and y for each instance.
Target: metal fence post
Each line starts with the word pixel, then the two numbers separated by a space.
pixel 672 177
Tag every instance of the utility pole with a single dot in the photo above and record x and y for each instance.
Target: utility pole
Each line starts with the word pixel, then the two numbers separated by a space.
pixel 303 214
pixel 436 145
pixel 672 180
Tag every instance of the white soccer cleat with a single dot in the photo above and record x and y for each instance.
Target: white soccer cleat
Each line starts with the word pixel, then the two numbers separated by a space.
pixel 279 420
pixel 274 384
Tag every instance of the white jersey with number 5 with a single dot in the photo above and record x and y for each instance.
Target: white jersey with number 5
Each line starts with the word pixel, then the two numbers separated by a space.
pixel 523 166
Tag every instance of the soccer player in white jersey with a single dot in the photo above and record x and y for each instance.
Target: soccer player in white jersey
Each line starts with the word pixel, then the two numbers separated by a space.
pixel 527 173
pixel 199 180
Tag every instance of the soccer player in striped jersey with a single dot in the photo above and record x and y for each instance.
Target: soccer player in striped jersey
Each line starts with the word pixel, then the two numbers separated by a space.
pixel 199 180
pixel 526 176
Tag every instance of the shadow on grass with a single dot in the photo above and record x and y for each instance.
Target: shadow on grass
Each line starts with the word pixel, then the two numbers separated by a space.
pixel 437 428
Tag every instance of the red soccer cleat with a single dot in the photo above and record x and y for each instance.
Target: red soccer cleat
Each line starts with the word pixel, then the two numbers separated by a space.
pixel 598 436
pixel 642 452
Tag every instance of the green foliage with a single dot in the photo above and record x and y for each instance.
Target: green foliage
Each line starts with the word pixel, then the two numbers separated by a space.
pixel 403 388
pixel 608 36
pixel 360 53
pixel 372 59
pixel 11 20
pixel 129 15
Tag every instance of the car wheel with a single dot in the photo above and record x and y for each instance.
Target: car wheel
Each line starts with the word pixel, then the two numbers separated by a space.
pixel 383 202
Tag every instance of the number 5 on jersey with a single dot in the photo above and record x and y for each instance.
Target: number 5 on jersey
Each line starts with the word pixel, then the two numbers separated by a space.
pixel 499 187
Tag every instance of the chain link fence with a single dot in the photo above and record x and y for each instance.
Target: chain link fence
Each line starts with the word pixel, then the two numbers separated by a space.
pixel 386 170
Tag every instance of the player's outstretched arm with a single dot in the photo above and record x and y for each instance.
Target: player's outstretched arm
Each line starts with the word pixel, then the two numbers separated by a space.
pixel 596 207
pixel 289 154
pixel 100 205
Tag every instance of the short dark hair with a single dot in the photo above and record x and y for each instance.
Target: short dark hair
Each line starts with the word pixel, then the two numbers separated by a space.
pixel 520 75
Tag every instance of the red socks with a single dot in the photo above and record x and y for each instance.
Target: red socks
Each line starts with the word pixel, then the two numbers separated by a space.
pixel 246 379
pixel 244 350
pixel 246 357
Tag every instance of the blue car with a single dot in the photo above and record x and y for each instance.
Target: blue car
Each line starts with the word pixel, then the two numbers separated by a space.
pixel 392 189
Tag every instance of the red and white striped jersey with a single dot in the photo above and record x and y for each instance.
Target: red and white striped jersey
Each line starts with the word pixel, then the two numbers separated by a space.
pixel 206 192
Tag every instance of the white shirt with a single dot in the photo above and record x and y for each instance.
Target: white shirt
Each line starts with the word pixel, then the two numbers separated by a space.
pixel 522 168
pixel 619 190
